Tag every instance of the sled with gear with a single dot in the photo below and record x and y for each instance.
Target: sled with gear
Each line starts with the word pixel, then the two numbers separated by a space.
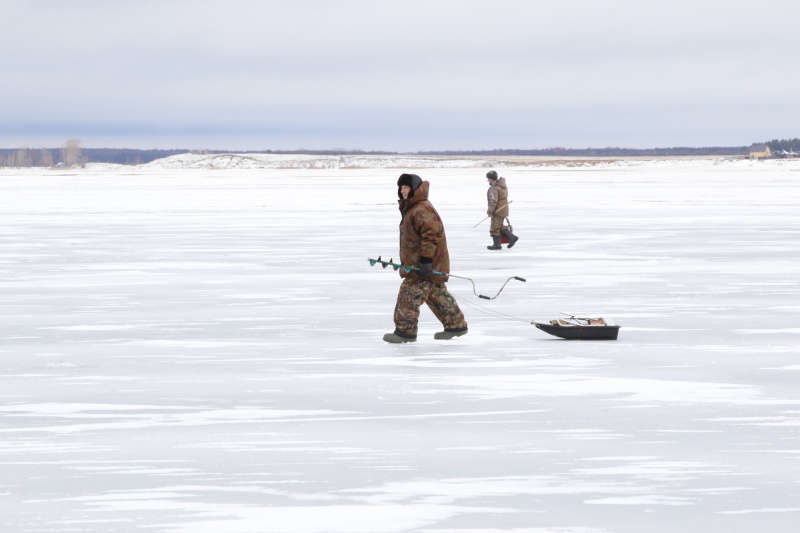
pixel 572 327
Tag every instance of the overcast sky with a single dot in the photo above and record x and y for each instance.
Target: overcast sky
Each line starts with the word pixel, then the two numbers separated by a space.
pixel 399 75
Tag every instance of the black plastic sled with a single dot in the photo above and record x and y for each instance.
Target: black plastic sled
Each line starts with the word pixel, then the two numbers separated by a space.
pixel 571 327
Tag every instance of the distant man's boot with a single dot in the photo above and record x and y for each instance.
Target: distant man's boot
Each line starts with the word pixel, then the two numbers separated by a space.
pixel 512 239
pixel 496 245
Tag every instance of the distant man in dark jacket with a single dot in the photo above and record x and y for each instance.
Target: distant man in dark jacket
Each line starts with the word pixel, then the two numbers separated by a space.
pixel 423 245
pixel 497 196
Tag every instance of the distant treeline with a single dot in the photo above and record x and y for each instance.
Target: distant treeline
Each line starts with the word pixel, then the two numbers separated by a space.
pixel 47 157
pixel 603 152
pixel 74 154
pixel 784 145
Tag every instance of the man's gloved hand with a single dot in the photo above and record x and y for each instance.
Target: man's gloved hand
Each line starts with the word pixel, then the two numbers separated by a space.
pixel 425 267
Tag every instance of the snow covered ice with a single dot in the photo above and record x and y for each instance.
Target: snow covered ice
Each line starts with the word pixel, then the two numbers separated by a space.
pixel 199 351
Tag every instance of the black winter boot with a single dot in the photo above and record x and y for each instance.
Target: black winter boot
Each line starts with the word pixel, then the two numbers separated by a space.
pixel 448 334
pixel 496 245
pixel 512 239
pixel 399 337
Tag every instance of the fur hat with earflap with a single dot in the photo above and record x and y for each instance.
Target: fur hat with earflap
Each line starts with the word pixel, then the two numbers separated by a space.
pixel 410 180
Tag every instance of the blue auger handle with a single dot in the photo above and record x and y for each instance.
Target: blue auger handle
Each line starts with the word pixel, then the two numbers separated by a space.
pixel 396 266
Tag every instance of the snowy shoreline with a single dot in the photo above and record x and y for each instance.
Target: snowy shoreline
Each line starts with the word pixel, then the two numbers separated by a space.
pixel 304 161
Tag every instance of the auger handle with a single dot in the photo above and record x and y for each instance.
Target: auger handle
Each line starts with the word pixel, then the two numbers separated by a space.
pixel 520 279
pixel 484 297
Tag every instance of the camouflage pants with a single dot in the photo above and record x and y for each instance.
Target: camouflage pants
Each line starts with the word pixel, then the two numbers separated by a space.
pixel 497 226
pixel 413 293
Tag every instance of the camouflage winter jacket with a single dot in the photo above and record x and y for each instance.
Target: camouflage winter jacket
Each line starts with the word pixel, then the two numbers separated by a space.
pixel 422 235
pixel 497 195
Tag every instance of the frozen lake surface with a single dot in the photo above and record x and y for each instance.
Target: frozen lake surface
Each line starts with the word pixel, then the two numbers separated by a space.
pixel 199 351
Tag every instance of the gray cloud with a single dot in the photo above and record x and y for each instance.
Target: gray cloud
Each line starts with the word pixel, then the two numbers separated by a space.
pixel 401 76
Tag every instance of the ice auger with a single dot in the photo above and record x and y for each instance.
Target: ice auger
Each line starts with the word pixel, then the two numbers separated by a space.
pixel 398 266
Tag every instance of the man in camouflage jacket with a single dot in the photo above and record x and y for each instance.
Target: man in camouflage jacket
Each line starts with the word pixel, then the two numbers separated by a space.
pixel 497 199
pixel 423 244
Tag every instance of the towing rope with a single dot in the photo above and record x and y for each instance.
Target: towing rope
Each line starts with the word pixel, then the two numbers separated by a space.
pixel 489 312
